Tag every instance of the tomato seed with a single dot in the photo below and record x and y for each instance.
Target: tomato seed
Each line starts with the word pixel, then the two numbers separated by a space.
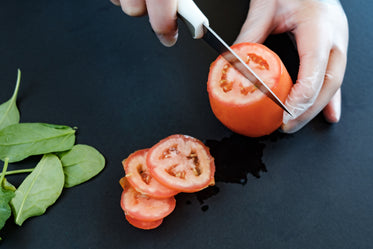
pixel 262 64
pixel 248 59
pixel 226 85
pixel 144 174
pixel 176 173
pixel 193 156
pixel 146 177
pixel 247 89
pixel 167 152
pixel 180 174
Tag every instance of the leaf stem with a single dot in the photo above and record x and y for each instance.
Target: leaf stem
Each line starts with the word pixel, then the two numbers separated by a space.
pixel 17 84
pixel 4 170
pixel 18 171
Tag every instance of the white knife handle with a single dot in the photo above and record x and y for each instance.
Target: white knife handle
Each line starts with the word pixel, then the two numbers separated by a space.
pixel 193 17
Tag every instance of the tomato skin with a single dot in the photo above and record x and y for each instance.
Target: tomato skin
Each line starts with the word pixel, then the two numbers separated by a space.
pixel 146 225
pixel 139 177
pixel 176 170
pixel 259 116
pixel 143 207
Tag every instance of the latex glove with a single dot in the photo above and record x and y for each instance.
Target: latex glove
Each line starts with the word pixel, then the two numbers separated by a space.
pixel 162 16
pixel 320 30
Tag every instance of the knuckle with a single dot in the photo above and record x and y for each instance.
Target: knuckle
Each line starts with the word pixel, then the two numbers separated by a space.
pixel 333 80
pixel 307 87
pixel 304 93
pixel 329 77
pixel 165 26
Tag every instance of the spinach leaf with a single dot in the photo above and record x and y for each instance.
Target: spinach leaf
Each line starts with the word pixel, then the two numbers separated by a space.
pixel 39 190
pixel 9 113
pixel 80 164
pixel 22 140
pixel 6 194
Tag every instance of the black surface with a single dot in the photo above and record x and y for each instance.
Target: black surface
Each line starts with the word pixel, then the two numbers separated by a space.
pixel 86 64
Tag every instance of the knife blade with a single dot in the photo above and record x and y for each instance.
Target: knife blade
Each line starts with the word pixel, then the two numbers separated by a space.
pixel 198 25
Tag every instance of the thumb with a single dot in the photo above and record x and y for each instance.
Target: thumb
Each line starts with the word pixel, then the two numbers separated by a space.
pixel 258 24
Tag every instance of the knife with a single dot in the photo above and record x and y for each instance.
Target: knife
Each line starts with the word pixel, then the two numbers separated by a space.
pixel 198 24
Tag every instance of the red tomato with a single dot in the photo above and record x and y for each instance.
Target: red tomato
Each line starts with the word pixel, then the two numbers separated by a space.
pixel 139 177
pixel 144 224
pixel 182 163
pixel 143 207
pixel 237 103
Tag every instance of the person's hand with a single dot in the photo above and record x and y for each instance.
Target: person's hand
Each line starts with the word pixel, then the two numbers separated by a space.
pixel 320 30
pixel 162 16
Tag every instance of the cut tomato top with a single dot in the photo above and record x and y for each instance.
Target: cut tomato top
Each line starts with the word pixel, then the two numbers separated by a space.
pixel 232 87
pixel 182 163
pixel 138 175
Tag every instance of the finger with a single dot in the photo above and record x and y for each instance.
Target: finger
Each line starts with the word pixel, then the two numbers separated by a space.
pixel 258 24
pixel 313 49
pixel 332 111
pixel 332 82
pixel 163 19
pixel 132 7
pixel 115 2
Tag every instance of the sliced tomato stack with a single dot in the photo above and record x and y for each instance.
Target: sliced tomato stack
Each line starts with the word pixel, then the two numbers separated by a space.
pixel 154 176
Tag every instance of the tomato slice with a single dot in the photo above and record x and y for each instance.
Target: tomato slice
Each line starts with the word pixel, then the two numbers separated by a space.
pixel 182 163
pixel 237 103
pixel 143 207
pixel 144 224
pixel 139 177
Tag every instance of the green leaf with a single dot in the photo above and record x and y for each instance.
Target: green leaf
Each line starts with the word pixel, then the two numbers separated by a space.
pixel 80 164
pixel 39 190
pixel 22 140
pixel 9 113
pixel 6 194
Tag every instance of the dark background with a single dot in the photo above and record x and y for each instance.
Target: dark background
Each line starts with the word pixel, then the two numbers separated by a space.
pixel 86 64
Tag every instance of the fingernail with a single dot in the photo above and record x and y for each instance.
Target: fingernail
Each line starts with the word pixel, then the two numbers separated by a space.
pixel 115 2
pixel 168 40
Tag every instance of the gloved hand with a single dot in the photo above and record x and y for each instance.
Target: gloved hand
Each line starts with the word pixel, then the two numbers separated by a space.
pixel 162 16
pixel 320 30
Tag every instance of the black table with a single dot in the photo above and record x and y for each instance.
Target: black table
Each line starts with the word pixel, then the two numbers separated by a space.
pixel 86 64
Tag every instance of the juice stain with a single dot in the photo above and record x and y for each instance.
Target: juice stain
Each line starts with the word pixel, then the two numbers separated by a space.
pixel 236 157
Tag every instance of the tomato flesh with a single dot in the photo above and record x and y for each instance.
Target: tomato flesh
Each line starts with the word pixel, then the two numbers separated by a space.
pixel 233 87
pixel 138 175
pixel 237 103
pixel 143 207
pixel 144 224
pixel 182 163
